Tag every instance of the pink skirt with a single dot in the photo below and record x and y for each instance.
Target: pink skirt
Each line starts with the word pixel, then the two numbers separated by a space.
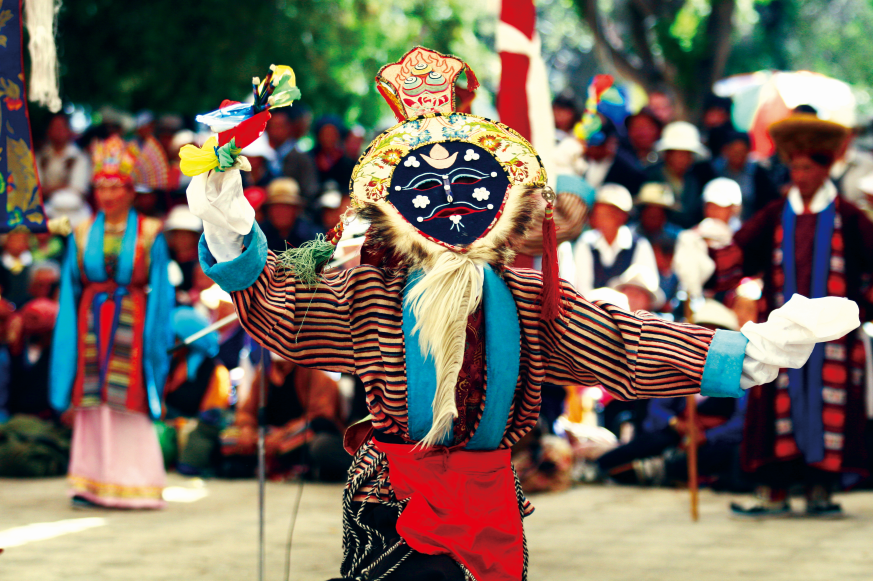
pixel 116 460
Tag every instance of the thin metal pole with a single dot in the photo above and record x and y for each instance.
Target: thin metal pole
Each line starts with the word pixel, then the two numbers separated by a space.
pixel 262 462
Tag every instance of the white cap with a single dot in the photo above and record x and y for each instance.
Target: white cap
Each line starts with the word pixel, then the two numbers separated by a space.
pixel 182 138
pixel 641 277
pixel 181 218
pixel 712 312
pixel 68 202
pixel 682 136
pixel 616 195
pixel 723 192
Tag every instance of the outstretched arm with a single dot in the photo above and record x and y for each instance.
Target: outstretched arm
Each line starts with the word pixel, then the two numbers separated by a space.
pixel 637 355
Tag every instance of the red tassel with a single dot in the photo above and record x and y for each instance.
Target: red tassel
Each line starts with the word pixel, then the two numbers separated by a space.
pixel 472 81
pixel 550 294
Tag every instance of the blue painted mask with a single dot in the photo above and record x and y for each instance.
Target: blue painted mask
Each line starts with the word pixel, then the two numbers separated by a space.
pixel 453 192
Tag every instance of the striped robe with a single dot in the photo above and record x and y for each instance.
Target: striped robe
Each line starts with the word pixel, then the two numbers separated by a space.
pixel 351 323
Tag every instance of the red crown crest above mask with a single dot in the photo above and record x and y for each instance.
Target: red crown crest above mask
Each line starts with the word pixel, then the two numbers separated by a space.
pixel 423 82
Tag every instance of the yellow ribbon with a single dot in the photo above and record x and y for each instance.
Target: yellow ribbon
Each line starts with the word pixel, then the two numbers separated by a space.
pixel 198 160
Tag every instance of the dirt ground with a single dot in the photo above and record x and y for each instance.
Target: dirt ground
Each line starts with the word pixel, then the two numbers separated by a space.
pixel 208 532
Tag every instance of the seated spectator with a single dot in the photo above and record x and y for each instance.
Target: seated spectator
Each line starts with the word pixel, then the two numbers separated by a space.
pixel 332 204
pixel 330 158
pixel 304 427
pixel 665 248
pixel 657 455
pixel 292 160
pixel 198 386
pixel 574 196
pixel 683 169
pixel 717 122
pixel 15 264
pixel 354 142
pixel 851 168
pixel 30 344
pixel 643 132
pixel 261 157
pixel 746 304
pixel 654 203
pixel 607 163
pixel 45 280
pixel 567 115
pixel 60 162
pixel 722 199
pixel 640 285
pixel 70 203
pixel 753 179
pixel 284 225
pixel 662 104
pixel 610 248
pixel 182 231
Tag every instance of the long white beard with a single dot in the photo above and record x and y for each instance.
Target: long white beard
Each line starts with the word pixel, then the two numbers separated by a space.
pixel 442 301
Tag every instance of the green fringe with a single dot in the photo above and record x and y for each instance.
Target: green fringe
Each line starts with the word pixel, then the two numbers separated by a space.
pixel 227 154
pixel 307 260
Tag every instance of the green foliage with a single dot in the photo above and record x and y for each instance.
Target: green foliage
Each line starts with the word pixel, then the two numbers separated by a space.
pixel 171 56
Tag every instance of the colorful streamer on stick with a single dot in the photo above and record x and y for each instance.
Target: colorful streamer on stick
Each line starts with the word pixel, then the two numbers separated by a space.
pixel 19 181
pixel 239 124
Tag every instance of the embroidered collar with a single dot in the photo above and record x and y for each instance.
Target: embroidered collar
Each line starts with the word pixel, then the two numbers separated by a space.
pixel 821 200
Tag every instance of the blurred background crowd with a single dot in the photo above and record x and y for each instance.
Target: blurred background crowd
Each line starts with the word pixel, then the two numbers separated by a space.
pixel 638 186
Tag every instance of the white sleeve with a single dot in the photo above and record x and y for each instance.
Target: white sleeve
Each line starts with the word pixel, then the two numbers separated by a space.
pixel 791 332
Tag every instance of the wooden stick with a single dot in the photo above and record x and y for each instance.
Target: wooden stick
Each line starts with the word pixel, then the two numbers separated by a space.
pixel 691 408
pixel 691 434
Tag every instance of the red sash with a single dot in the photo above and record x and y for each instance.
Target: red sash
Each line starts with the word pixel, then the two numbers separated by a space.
pixel 461 503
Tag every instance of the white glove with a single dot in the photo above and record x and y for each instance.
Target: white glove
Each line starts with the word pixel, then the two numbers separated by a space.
pixel 691 262
pixel 217 199
pixel 791 332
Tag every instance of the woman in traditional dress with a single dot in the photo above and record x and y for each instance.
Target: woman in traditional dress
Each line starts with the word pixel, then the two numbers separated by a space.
pixel 109 360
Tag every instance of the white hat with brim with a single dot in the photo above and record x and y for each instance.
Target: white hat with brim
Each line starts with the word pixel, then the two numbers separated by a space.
pixel 68 202
pixel 608 295
pixel 712 312
pixel 181 218
pixel 656 194
pixel 681 136
pixel 643 278
pixel 723 192
pixel 614 195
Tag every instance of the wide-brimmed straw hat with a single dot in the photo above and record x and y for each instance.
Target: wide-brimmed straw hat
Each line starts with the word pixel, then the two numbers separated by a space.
pixel 656 194
pixel 806 133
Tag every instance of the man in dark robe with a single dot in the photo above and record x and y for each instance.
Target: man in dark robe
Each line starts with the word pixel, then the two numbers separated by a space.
pixel 807 426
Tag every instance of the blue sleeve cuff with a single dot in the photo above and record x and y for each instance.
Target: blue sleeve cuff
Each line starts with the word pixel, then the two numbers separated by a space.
pixel 241 272
pixel 724 365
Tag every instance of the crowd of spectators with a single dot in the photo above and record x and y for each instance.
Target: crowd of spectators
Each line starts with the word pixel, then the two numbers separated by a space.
pixel 652 180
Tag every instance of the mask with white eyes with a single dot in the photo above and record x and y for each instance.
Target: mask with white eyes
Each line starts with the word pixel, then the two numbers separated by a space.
pixel 452 192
